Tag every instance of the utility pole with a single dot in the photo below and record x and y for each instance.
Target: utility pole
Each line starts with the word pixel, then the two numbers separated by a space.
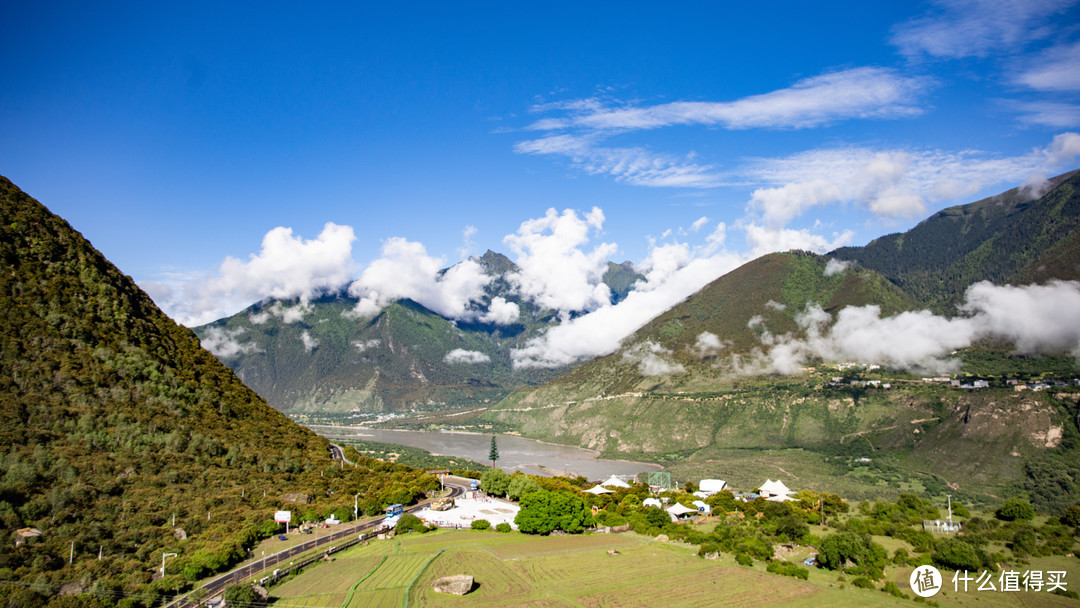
pixel 949 496
pixel 163 556
pixel 71 556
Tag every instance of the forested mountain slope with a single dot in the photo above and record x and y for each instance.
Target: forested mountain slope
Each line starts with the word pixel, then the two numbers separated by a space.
pixel 119 431
pixel 1008 238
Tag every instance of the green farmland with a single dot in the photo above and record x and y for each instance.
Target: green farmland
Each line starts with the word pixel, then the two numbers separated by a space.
pixel 570 571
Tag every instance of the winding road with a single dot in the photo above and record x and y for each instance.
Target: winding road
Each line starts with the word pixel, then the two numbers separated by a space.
pixel 216 585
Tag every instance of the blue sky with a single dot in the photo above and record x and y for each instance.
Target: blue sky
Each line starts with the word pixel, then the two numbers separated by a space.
pixel 178 137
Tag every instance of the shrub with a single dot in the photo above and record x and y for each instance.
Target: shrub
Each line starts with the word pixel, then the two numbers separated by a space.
pixel 787 568
pixel 409 523
pixel 956 554
pixel 892 589
pixel 707 548
pixel 1015 509
pixel 900 557
pixel 743 559
pixel 480 524
pixel 503 527
pixel 863 582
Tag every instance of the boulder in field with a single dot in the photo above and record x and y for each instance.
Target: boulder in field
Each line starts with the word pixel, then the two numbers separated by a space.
pixel 458 584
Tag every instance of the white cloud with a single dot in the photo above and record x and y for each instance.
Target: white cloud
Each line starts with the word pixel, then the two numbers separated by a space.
pixel 365 345
pixel 865 92
pixel 1049 113
pixel 1058 69
pixel 405 270
pixel 286 267
pixel 459 355
pixel 501 312
pixel 310 343
pixel 835 266
pixel 652 359
pixel 890 183
pixel 635 166
pixel 225 344
pixel 673 273
pixel 699 224
pixel 707 345
pixel 977 28
pixel 763 240
pixel 466 241
pixel 553 269
pixel 287 314
pixel 1034 319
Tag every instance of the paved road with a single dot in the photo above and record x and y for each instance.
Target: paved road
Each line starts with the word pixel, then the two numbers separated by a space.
pixel 456 485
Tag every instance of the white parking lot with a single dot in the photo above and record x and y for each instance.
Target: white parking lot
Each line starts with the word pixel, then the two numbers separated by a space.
pixel 467 510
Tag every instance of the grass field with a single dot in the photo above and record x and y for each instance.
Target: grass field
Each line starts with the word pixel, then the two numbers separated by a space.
pixel 577 571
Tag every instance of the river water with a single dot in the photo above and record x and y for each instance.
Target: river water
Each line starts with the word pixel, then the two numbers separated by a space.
pixel 515 453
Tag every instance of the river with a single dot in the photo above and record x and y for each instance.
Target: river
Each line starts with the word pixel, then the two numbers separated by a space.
pixel 515 453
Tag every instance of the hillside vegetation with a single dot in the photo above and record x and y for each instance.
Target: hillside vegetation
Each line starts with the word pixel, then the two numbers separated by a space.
pixel 123 440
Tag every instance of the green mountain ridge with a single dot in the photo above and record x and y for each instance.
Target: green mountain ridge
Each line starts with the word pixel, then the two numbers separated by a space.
pixel 716 411
pixel 1005 239
pixel 124 440
pixel 400 360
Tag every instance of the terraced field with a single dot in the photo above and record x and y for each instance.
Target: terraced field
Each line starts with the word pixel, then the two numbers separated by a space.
pixel 577 571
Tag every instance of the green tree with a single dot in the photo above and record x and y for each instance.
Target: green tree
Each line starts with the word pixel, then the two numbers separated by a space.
pixel 848 546
pixel 521 485
pixel 791 527
pixel 956 554
pixel 493 453
pixel 1015 509
pixel 409 523
pixel 495 482
pixel 242 596
pixel 1072 516
pixel 543 512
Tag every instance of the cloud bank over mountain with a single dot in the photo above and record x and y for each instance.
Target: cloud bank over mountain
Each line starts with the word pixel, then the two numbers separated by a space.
pixel 1033 319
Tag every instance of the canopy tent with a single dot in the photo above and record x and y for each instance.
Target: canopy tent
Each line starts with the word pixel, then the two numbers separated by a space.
pixel 615 482
pixel 702 506
pixel 712 486
pixel 652 502
pixel 775 491
pixel 678 511
pixel 599 490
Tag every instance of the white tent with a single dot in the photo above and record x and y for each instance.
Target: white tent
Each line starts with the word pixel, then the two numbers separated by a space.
pixel 677 511
pixel 712 486
pixel 702 506
pixel 775 490
pixel 599 490
pixel 614 482
pixel 652 502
